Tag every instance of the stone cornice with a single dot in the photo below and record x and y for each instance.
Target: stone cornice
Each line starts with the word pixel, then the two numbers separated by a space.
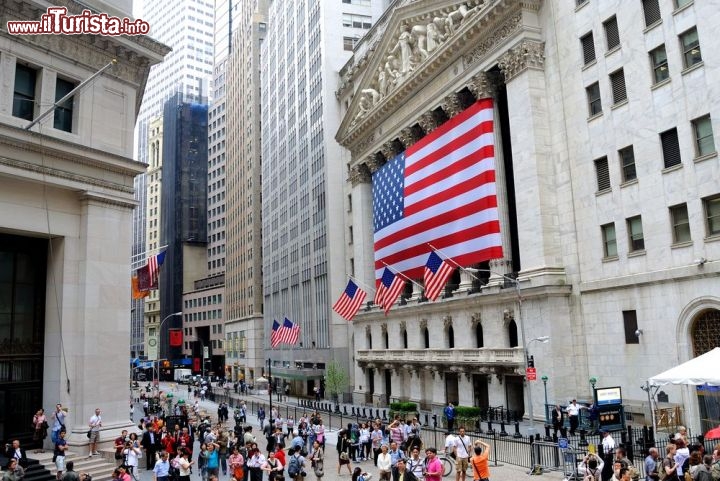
pixel 528 54
pixel 492 24
pixel 107 200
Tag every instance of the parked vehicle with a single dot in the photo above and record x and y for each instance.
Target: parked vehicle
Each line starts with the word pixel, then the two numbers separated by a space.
pixel 179 374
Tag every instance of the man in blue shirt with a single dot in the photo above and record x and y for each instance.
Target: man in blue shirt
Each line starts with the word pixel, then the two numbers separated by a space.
pixel 161 471
pixel 449 413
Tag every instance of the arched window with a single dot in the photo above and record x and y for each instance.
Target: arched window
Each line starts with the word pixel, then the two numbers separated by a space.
pixel 368 338
pixel 512 333
pixel 450 334
pixel 479 341
pixel 404 337
pixel 705 331
pixel 386 340
pixel 426 335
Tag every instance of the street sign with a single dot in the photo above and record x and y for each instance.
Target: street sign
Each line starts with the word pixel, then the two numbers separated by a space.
pixel 206 352
pixel 531 374
pixel 562 443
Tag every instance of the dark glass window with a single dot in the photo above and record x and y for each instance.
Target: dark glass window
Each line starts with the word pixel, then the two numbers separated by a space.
pixel 24 92
pixel 631 327
pixel 64 111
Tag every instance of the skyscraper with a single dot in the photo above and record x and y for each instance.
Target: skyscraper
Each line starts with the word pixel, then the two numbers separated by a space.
pixel 302 177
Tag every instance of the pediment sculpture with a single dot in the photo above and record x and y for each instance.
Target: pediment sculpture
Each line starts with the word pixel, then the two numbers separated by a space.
pixel 414 42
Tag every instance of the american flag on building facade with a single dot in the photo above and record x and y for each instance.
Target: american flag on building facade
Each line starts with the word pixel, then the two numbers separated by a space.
pixel 437 272
pixel 350 301
pixel 287 333
pixel 440 191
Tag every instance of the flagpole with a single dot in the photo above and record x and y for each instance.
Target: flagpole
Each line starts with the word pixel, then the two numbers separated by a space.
pixel 453 261
pixel 401 274
pixel 362 283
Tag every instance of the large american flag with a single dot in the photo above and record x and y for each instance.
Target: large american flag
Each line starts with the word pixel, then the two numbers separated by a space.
pixel 440 191
pixel 350 301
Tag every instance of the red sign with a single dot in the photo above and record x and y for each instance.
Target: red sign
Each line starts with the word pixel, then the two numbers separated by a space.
pixel 176 337
pixel 531 374
pixel 196 364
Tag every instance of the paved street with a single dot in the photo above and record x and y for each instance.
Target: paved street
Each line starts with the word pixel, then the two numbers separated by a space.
pixel 502 473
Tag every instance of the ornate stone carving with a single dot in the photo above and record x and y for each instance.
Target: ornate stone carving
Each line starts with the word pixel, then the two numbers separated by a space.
pixel 475 319
pixel 423 323
pixel 359 174
pixel 403 326
pixel 408 136
pixel 373 163
pixel 500 34
pixel 428 122
pixel 452 105
pixel 499 377
pixel 360 147
pixel 383 328
pixel 368 331
pixel 390 149
pixel 508 315
pixel 447 321
pixel 527 54
pixel 482 86
pixel 468 376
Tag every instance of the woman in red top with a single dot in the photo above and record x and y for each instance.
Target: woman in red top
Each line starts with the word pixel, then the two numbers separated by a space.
pixel 168 443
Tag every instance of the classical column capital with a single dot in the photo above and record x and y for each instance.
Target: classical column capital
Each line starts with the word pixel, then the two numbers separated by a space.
pixel 409 135
pixel 359 174
pixel 373 163
pixel 428 122
pixel 390 149
pixel 527 54
pixel 482 86
pixel 452 105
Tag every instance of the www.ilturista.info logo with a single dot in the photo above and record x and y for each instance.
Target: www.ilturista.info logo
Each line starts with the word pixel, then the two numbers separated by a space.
pixel 57 21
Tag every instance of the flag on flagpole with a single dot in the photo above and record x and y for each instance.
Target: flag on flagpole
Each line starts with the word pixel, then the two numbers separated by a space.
pixel 391 284
pixel 148 274
pixel 441 190
pixel 275 334
pixel 289 332
pixel 379 293
pixel 437 272
pixel 136 292
pixel 350 301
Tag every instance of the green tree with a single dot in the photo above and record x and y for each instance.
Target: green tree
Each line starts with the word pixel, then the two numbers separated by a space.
pixel 336 380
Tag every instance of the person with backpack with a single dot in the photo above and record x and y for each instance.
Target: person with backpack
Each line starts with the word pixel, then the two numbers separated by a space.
pixel 703 471
pixel 296 466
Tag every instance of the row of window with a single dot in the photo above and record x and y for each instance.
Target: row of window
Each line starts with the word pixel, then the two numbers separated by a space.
pixel 356 21
pixel 204 315
pixel 680 225
pixel 26 95
pixel 204 301
pixel 215 343
pixel 692 56
pixel 703 141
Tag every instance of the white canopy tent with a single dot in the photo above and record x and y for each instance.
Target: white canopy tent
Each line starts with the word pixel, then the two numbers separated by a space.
pixel 696 372
pixel 699 371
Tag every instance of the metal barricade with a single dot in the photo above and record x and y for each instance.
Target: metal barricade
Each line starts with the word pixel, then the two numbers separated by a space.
pixel 547 455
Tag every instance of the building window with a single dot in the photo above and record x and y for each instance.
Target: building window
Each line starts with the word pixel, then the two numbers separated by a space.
pixel 682 3
pixel 612 35
pixel 651 8
pixel 691 48
pixel 671 148
pixel 635 234
pixel 356 21
pixel 658 59
pixel 680 223
pixel 479 339
pixel 704 141
pixel 349 43
pixel 609 240
pixel 24 92
pixel 450 333
pixel 627 162
pixel 712 215
pixel 631 327
pixel 588 48
pixel 593 96
pixel 350 234
pixel 617 81
pixel 405 339
pixel 513 333
pixel 64 111
pixel 426 337
pixel 602 173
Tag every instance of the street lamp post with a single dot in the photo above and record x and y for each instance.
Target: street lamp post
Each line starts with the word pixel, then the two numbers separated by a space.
pixel 156 371
pixel 545 380
pixel 270 390
pixel 543 339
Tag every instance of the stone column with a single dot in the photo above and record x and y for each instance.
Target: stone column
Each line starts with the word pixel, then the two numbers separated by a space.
pixel 362 221
pixel 415 378
pixel 466 280
pixel 379 393
pixel 438 389
pixel 533 166
pixel 465 388
pixel 483 86
pixel 452 105
pixel 496 389
pixel 397 391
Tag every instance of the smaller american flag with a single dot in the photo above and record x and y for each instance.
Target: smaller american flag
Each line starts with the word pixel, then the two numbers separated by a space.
pixel 289 332
pixel 437 272
pixel 275 335
pixel 154 264
pixel 391 285
pixel 350 301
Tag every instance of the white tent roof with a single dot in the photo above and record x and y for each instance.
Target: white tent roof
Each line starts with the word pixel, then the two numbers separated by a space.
pixel 698 371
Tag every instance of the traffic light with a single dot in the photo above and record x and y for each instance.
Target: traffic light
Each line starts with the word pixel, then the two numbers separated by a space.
pixel 531 361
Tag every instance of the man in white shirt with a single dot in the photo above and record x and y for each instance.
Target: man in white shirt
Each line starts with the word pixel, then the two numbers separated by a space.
pixel 608 443
pixel 450 444
pixel 95 423
pixel 573 411
pixel 462 453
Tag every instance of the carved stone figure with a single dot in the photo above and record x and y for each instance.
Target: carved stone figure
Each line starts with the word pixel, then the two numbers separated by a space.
pixel 372 94
pixel 420 34
pixel 405 48
pixel 382 81
pixel 434 36
pixel 455 18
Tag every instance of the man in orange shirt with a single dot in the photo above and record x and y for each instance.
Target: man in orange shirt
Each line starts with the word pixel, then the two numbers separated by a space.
pixel 480 462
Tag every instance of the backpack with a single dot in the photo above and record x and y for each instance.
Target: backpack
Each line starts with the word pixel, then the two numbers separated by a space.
pixel 294 467
pixel 703 475
pixel 661 470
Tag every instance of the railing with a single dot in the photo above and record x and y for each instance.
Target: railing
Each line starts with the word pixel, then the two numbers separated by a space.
pixel 481 356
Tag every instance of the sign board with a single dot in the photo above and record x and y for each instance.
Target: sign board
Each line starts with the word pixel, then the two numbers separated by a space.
pixel 206 352
pixel 531 374
pixel 612 417
pixel 608 396
pixel 176 337
pixel 152 348
pixel 563 443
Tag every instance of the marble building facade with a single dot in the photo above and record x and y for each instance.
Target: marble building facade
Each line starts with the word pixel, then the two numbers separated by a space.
pixel 574 84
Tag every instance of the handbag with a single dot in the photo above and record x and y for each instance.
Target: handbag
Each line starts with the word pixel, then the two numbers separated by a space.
pixel 238 473
pixel 318 467
pixel 344 456
pixel 89 433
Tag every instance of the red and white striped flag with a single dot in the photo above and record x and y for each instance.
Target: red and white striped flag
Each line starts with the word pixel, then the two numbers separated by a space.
pixel 289 332
pixel 440 191
pixel 391 285
pixel 437 272
pixel 350 301
pixel 275 334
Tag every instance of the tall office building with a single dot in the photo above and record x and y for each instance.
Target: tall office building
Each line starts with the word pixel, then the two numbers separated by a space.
pixel 187 27
pixel 243 265
pixel 303 236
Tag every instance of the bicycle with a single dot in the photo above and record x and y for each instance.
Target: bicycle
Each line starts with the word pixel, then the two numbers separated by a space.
pixel 448 464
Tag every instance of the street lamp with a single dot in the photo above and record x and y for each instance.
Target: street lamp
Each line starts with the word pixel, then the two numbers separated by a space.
pixel 516 283
pixel 157 361
pixel 270 390
pixel 545 380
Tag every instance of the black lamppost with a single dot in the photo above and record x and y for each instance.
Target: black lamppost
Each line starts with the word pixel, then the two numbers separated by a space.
pixel 269 414
pixel 545 380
